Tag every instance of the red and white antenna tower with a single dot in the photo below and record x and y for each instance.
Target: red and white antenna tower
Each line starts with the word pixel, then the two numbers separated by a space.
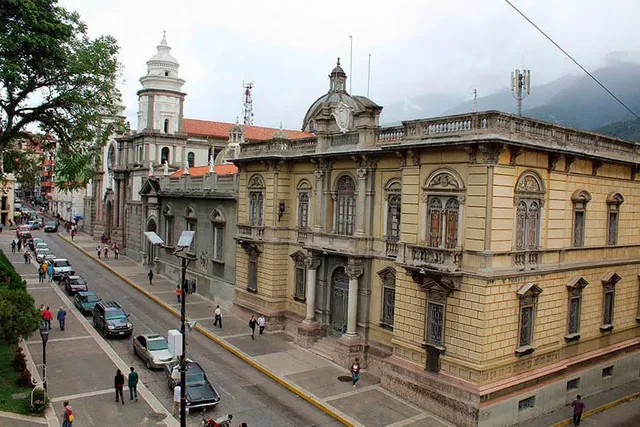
pixel 247 103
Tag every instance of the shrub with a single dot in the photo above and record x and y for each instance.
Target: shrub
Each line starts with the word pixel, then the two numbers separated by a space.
pixel 19 361
pixel 24 379
pixel 39 401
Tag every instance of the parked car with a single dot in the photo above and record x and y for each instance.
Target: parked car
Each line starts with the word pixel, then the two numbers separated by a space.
pixel 200 392
pixel 153 349
pixel 85 301
pixel 23 229
pixel 42 253
pixel 50 257
pixel 33 242
pixel 61 267
pixel 111 320
pixel 73 284
pixel 34 224
pixel 39 245
pixel 51 227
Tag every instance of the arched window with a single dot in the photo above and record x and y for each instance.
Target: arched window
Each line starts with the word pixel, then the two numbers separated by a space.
pixel 529 198
pixel 345 205
pixel 191 222
pixel 304 196
pixel 111 158
pixel 388 281
pixel 164 155
pixel 166 125
pixel 614 200
pixel 580 198
pixel 217 218
pixel 256 201
pixel 191 159
pixel 443 193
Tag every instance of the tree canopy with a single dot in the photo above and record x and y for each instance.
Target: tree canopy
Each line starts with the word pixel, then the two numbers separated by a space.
pixel 57 80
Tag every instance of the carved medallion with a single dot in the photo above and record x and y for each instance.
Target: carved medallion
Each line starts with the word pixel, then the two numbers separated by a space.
pixel 342 114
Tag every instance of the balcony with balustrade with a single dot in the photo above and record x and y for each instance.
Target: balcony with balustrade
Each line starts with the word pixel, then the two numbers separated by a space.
pixel 209 185
pixel 440 259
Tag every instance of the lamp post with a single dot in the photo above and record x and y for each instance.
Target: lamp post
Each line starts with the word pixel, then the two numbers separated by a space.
pixel 186 238
pixel 44 334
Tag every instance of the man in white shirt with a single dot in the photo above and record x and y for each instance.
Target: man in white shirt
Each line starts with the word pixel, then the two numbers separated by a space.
pixel 262 322
pixel 218 314
pixel 176 400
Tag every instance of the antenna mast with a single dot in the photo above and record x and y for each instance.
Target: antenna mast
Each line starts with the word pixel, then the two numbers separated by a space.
pixel 247 103
pixel 520 86
pixel 351 65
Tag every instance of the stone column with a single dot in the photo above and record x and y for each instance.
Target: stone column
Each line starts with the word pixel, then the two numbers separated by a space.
pixel 318 214
pixel 122 194
pixel 312 272
pixel 117 195
pixel 354 271
pixel 361 209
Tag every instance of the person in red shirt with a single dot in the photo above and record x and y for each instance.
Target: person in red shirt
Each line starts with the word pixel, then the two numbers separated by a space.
pixel 46 317
pixel 355 372
pixel 578 408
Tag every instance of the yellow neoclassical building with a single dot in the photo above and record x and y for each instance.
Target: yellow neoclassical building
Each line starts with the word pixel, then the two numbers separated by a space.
pixel 484 265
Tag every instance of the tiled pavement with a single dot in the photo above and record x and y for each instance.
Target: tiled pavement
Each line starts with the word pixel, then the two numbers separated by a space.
pixel 368 405
pixel 80 366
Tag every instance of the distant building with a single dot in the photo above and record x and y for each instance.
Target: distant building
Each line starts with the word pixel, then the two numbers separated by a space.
pixel 7 199
pixel 484 265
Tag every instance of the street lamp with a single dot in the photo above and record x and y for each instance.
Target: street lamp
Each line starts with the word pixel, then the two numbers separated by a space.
pixel 185 241
pixel 44 334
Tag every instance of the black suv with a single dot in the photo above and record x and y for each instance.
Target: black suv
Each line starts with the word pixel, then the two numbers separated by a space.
pixel 111 320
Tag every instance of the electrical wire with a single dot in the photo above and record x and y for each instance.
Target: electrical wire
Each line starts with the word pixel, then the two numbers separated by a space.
pixel 574 61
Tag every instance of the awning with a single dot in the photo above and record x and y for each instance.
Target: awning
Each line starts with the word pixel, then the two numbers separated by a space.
pixel 154 239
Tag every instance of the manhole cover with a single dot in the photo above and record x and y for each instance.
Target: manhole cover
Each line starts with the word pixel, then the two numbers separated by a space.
pixel 344 378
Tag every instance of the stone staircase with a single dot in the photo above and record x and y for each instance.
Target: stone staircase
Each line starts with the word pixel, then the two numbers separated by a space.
pixel 325 348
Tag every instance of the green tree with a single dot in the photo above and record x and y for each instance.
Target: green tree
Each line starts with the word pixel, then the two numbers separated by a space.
pixel 19 316
pixel 53 76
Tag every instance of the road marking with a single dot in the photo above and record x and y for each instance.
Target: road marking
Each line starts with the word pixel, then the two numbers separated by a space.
pixel 81 337
pixel 87 394
pixel 411 420
pixel 19 417
pixel 37 288
pixel 352 392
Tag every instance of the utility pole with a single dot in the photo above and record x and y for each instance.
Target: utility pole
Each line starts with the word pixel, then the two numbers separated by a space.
pixel 520 86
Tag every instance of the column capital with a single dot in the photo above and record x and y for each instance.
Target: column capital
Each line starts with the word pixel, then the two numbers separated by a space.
pixel 312 262
pixel 354 269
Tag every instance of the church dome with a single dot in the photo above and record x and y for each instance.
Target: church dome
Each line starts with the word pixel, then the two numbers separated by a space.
pixel 337 95
pixel 162 70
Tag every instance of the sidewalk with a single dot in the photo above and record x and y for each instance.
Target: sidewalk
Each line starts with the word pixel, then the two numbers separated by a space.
pixel 80 364
pixel 275 354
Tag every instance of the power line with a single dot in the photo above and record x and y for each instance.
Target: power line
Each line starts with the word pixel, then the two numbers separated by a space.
pixel 574 61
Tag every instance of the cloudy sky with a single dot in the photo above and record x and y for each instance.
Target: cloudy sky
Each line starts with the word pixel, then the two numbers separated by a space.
pixel 288 47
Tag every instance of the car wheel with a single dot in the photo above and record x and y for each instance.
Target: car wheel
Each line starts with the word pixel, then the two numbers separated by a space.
pixel 148 364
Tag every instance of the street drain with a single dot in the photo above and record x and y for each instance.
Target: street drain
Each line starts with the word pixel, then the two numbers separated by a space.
pixel 344 378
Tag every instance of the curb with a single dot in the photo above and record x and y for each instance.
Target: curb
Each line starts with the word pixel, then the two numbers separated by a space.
pixel 233 350
pixel 599 409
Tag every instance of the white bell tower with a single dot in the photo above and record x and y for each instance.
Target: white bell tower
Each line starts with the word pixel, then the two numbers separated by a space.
pixel 161 100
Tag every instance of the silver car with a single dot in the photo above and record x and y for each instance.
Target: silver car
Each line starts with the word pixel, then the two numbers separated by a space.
pixel 41 254
pixel 153 349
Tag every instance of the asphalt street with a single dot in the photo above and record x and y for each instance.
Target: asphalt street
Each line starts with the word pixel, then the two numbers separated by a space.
pixel 246 393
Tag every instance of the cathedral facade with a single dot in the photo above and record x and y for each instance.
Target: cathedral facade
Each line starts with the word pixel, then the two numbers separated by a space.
pixel 484 265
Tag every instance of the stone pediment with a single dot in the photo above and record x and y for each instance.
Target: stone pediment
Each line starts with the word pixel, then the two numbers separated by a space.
pixel 529 290
pixel 150 187
pixel 611 278
pixel 577 282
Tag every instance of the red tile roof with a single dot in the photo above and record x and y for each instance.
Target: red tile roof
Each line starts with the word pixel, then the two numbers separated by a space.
pixel 224 169
pixel 221 130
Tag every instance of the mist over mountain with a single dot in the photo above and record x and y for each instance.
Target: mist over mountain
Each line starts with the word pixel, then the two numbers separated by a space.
pixel 573 100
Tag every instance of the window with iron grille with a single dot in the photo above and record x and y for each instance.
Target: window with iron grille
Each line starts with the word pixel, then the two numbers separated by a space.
pixel 303 210
pixel 527 224
pixel 394 204
pixel 300 281
pixel 527 403
pixel 256 201
pixel 443 216
pixel 252 282
pixel 345 206
pixel 435 318
pixel 388 281
pixel 218 248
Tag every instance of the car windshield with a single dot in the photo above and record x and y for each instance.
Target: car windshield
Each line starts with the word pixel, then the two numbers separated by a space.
pixel 43 251
pixel 52 223
pixel 61 264
pixel 115 314
pixel 195 379
pixel 79 281
pixel 156 345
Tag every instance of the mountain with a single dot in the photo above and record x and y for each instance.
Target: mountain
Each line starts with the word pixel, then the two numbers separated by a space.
pixel 573 100
pixel 629 130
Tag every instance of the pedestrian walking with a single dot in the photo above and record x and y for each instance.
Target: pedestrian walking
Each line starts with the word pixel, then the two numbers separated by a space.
pixel 47 317
pixel 67 415
pixel 178 293
pixel 132 382
pixel 61 316
pixel 175 409
pixel 19 245
pixel 150 276
pixel 355 372
pixel 41 308
pixel 41 273
pixel 218 317
pixel 106 251
pixel 578 408
pixel 116 252
pixel 13 246
pixel 27 255
pixel 45 265
pixel 118 383
pixel 50 272
pixel 262 323
pixel 73 234
pixel 252 326
pixel 99 250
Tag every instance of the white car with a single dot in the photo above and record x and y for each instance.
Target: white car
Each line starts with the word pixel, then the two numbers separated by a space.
pixel 61 267
pixel 153 349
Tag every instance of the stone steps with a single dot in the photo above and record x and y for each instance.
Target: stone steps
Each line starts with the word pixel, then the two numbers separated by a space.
pixel 324 348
